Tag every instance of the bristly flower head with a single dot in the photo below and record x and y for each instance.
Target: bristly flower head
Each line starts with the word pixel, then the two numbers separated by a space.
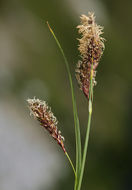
pixel 40 110
pixel 91 46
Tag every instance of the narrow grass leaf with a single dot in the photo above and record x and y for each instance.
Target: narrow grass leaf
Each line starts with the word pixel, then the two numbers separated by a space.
pixel 76 119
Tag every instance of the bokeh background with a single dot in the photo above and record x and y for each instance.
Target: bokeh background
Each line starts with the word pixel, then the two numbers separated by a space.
pixel 31 65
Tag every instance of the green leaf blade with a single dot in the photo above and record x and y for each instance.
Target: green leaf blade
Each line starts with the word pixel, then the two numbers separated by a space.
pixel 76 119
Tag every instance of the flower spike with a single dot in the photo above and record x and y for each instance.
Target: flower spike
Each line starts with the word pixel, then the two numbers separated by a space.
pixel 91 46
pixel 40 110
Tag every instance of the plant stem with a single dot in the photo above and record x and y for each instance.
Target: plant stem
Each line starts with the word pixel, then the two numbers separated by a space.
pixel 88 129
pixel 71 164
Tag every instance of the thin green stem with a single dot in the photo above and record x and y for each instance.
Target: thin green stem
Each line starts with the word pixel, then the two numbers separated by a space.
pixel 85 151
pixel 76 120
pixel 71 164
pixel 88 129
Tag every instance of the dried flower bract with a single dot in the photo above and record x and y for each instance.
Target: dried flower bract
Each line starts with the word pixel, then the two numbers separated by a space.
pixel 40 110
pixel 91 46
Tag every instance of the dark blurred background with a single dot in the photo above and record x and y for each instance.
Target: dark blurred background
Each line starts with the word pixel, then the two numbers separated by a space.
pixel 31 65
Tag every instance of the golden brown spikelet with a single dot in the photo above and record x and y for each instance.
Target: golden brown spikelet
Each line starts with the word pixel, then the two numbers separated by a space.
pixel 91 46
pixel 40 110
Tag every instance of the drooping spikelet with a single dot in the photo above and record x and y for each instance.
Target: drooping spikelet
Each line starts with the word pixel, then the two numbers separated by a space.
pixel 40 110
pixel 91 46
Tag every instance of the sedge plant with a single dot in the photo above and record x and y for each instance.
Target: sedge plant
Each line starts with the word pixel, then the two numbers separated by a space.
pixel 91 47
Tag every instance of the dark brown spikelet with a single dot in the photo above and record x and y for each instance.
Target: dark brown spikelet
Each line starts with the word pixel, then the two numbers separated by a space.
pixel 91 46
pixel 40 110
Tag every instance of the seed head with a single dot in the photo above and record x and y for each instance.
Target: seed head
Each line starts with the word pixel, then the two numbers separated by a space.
pixel 91 46
pixel 40 110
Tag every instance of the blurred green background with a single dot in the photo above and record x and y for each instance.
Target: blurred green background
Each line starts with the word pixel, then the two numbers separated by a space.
pixel 31 65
